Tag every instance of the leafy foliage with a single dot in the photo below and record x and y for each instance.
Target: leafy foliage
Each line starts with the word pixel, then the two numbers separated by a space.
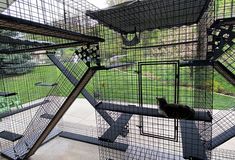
pixel 14 64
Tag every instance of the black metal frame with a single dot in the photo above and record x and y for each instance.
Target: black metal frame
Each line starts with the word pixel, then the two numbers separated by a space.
pixel 220 35
pixel 92 140
pixel 187 42
pixel 116 129
pixel 74 81
pixel 176 97
pixel 84 92
pixel 66 104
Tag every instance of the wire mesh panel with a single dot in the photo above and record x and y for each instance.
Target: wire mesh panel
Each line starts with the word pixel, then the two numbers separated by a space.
pixel 151 49
pixel 222 128
pixel 177 43
pixel 45 24
pixel 19 73
pixel 55 97
pixel 224 8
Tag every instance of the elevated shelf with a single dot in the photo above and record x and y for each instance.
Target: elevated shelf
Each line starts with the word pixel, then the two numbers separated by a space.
pixel 47 116
pixel 137 16
pixel 132 109
pixel 22 25
pixel 42 84
pixel 10 136
pixel 196 63
pixel 7 94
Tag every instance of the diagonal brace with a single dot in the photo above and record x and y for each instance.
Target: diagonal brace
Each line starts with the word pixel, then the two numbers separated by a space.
pixel 84 92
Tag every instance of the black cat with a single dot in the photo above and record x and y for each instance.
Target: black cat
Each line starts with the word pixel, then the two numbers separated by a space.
pixel 177 111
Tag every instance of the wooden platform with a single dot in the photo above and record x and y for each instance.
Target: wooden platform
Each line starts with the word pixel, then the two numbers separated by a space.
pixel 22 25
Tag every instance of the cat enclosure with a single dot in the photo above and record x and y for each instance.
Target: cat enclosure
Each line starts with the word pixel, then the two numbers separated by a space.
pixel 133 53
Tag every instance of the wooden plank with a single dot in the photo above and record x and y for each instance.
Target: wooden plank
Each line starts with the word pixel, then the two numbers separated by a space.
pixel 10 136
pixel 132 109
pixel 22 25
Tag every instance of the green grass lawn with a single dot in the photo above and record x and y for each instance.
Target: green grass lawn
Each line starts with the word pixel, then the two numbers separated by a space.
pixel 221 85
pixel 126 87
pixel 24 85
pixel 223 102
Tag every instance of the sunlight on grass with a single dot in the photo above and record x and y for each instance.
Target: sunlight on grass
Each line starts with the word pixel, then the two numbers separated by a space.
pixel 125 88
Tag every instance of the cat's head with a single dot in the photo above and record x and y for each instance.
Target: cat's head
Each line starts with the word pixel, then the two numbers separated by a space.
pixel 162 101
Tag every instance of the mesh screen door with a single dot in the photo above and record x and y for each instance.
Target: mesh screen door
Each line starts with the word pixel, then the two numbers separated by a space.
pixel 158 79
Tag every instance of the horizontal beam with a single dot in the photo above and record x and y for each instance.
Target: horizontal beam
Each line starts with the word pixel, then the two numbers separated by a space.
pixel 153 112
pixel 22 25
pixel 92 140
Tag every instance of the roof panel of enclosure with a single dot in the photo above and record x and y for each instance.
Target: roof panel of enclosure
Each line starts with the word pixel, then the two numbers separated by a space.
pixel 4 4
pixel 140 15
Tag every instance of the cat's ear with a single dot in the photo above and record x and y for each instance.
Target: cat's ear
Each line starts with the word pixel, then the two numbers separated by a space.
pixel 157 98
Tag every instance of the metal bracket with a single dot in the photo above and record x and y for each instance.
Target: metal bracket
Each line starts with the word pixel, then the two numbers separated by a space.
pixel 220 38
pixel 89 55
pixel 116 129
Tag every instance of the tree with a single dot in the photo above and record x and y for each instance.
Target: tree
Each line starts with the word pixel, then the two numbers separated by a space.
pixel 14 64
